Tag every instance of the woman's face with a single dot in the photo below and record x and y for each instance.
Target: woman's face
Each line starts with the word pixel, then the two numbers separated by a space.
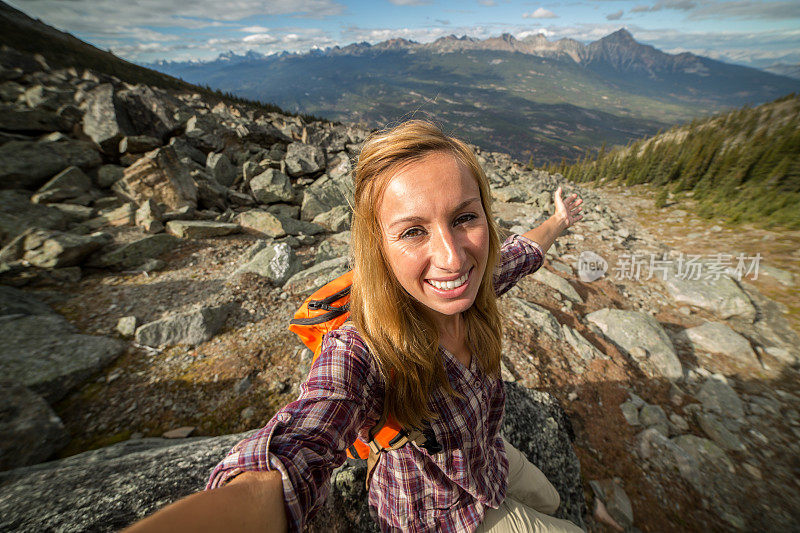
pixel 435 232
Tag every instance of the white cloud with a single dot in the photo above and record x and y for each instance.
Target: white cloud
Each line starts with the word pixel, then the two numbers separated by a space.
pixel 410 2
pixel 255 29
pixel 111 17
pixel 260 38
pixel 540 13
pixel 489 3
pixel 615 16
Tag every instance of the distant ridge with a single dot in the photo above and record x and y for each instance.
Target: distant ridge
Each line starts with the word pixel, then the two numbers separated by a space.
pixel 530 97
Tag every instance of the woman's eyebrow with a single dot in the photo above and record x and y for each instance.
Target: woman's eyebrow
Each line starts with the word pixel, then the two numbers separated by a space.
pixel 414 219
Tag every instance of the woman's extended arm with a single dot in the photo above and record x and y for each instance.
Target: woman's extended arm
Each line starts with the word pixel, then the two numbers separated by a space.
pixel 252 501
pixel 567 213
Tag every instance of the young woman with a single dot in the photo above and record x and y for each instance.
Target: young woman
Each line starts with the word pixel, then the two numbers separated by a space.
pixel 424 345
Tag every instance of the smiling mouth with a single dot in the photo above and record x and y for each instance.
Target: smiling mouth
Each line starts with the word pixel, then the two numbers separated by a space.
pixel 450 285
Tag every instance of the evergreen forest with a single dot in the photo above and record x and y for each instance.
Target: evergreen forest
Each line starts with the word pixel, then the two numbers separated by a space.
pixel 742 166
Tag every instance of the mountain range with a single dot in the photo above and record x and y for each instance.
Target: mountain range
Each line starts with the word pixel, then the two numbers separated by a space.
pixel 529 97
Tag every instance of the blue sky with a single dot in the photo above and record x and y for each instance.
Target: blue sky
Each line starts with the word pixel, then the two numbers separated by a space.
pixel 758 33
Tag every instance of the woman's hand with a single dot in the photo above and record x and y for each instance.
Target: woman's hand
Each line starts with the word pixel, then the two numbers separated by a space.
pixel 567 209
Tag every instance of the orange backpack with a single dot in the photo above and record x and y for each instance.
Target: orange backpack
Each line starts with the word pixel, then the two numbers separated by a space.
pixel 322 312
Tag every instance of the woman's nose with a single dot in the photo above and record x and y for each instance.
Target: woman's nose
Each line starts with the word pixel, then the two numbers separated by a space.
pixel 448 253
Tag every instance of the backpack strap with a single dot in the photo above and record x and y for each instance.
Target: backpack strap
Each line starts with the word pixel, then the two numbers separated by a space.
pixel 376 450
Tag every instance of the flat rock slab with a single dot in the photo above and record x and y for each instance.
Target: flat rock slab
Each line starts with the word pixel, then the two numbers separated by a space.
pixel 201 229
pixel 110 488
pixel 30 431
pixel 721 296
pixel 719 397
pixel 192 327
pixel 46 354
pixel 135 253
pixel 631 330
pixel 558 283
pixel 716 337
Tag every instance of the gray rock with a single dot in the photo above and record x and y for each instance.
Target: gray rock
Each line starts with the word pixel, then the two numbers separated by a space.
pixel 159 175
pixel 30 431
pixel 160 471
pixel 275 262
pixel 337 219
pixel 653 416
pixel 105 119
pixel 124 215
pixel 630 412
pixel 29 164
pixel 616 501
pixel 18 214
pixel 152 110
pixel 718 432
pixel 325 194
pixel 135 253
pixel 138 144
pixel 221 168
pixel 558 283
pixel 69 183
pixel 260 223
pixel 654 447
pixel 292 226
pixel 331 249
pixel 631 329
pixel 704 451
pixel 716 337
pixel 201 229
pixel 16 302
pixel 538 316
pixel 108 175
pixel 303 159
pixel 46 354
pixel 272 186
pixel 584 348
pixel 548 447
pixel 192 327
pixel 721 296
pixel 55 249
pixel 184 149
pixel 311 279
pixel 126 326
pixel 719 397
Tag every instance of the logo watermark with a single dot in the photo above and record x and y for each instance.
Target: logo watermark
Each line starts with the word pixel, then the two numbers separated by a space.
pixel 634 266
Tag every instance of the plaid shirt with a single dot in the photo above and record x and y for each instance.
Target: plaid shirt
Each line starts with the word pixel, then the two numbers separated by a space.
pixel 411 489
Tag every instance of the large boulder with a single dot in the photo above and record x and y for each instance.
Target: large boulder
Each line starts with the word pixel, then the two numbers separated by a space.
pixel 44 352
pixel 128 481
pixel 302 159
pixel 30 432
pixel 133 254
pixel 643 338
pixel 18 214
pixel 720 295
pixel 191 327
pixel 29 164
pixel 106 120
pixel 159 175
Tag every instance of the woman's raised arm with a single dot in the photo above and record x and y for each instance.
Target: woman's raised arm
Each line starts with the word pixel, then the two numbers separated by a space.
pixel 252 501
pixel 567 214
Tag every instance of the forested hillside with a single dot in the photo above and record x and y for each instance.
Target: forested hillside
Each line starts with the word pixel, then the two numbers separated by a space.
pixel 743 166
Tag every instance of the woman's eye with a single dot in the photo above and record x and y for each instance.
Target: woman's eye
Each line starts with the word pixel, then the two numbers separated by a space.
pixel 465 218
pixel 411 233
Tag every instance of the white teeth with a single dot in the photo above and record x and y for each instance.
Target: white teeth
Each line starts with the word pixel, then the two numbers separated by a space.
pixel 449 285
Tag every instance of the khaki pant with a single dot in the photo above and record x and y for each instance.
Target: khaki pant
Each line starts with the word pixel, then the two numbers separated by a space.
pixel 530 499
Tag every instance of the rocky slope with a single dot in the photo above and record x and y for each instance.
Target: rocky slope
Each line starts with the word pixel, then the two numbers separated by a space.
pixel 154 247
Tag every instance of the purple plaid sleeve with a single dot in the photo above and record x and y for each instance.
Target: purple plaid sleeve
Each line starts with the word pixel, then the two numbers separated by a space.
pixel 307 439
pixel 519 256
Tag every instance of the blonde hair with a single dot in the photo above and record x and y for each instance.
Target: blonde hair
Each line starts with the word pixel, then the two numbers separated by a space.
pixel 394 325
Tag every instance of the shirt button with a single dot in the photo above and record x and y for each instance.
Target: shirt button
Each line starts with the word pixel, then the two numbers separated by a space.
pixel 477 384
pixel 284 418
